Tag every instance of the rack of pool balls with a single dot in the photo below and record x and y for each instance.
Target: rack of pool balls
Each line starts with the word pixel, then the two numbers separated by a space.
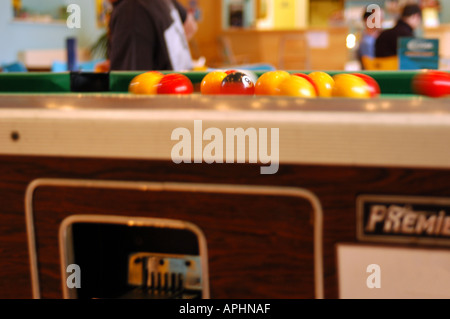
pixel 282 83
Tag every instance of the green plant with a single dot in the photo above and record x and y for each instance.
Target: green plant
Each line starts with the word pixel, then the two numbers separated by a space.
pixel 99 49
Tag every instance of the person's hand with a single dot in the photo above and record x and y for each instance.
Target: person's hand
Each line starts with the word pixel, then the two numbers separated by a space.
pixel 190 26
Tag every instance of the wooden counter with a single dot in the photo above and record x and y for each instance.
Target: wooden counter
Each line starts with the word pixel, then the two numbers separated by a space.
pixel 443 34
pixel 314 49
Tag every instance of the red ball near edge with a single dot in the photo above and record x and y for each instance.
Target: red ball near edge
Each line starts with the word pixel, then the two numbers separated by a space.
pixel 175 83
pixel 432 83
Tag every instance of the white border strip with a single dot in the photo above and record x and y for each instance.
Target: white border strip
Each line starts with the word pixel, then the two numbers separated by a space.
pixel 317 138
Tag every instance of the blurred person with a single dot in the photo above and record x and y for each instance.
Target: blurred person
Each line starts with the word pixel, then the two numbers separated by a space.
pixel 368 37
pixel 410 20
pixel 150 35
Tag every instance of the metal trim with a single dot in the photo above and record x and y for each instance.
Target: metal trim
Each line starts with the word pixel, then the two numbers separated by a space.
pixel 112 101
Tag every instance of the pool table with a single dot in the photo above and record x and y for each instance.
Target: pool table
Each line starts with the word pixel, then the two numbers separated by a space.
pixel 88 176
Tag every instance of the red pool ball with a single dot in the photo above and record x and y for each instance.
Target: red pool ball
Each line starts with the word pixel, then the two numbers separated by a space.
pixel 175 83
pixel 432 83
pixel 308 78
pixel 374 88
pixel 237 83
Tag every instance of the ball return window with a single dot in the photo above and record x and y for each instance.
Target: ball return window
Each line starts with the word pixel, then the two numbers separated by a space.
pixel 133 260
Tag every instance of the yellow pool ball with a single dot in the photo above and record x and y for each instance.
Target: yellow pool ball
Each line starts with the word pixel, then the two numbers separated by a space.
pixel 145 83
pixel 324 83
pixel 351 86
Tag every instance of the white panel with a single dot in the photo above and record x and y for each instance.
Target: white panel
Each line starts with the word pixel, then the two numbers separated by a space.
pixel 407 273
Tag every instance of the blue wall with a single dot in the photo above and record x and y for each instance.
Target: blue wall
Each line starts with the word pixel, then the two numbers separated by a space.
pixel 47 6
pixel 19 36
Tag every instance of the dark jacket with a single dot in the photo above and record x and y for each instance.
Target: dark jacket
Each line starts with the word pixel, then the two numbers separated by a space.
pixel 386 44
pixel 137 34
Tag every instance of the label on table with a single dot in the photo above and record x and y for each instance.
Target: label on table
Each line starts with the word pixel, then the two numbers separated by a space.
pixel 418 53
pixel 395 219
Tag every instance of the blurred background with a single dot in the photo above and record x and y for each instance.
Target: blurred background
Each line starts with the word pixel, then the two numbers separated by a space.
pixel 285 34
